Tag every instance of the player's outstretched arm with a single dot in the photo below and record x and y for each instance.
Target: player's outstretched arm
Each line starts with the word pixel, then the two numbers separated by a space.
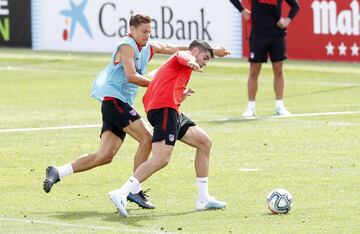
pixel 221 51
pixel 165 48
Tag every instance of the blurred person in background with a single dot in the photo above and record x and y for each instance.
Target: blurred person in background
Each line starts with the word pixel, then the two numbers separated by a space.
pixel 267 37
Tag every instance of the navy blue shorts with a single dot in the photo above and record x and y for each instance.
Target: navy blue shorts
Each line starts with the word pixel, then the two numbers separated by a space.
pixel 116 115
pixel 169 125
pixel 262 46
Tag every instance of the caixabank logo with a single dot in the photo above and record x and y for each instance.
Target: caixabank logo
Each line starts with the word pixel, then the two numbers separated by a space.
pixel 74 19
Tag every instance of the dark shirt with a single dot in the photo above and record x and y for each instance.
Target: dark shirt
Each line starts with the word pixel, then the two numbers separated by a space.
pixel 266 13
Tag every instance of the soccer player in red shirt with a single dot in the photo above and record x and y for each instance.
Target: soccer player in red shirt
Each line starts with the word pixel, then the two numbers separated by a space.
pixel 161 102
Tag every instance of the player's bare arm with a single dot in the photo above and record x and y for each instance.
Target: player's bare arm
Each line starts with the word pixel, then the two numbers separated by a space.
pixel 221 51
pixel 194 66
pixel 126 55
pixel 165 48
pixel 189 60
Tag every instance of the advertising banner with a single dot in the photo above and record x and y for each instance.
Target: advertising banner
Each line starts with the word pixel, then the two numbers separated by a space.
pixel 15 23
pixel 82 25
pixel 322 30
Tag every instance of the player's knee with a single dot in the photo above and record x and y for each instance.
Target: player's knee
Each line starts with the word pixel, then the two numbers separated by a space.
pixel 106 157
pixel 278 72
pixel 146 143
pixel 208 144
pixel 205 144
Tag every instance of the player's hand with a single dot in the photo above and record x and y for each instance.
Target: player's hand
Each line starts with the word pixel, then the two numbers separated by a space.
pixel 283 22
pixel 246 14
pixel 194 66
pixel 187 92
pixel 221 52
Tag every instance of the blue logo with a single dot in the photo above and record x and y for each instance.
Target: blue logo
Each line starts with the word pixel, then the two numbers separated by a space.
pixel 76 13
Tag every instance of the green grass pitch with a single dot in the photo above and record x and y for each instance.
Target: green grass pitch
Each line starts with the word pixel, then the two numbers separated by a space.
pixel 314 154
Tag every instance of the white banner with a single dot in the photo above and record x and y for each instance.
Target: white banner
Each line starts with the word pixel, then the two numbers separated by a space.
pixel 96 26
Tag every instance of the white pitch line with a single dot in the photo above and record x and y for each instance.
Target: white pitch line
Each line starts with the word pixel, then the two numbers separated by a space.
pixel 49 128
pixel 318 114
pixel 29 221
pixel 248 169
pixel 290 116
pixel 219 120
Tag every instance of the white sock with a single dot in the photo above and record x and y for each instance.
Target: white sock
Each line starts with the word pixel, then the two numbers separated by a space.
pixel 203 192
pixel 65 170
pixel 251 105
pixel 279 104
pixel 132 185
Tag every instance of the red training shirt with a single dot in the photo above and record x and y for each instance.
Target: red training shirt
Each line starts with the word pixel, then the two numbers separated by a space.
pixel 167 87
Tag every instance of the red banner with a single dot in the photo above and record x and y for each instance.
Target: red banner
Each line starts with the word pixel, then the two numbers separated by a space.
pixel 322 30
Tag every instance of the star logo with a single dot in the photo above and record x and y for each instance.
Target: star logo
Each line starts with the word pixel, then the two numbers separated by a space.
pixel 330 49
pixel 342 49
pixel 355 50
pixel 76 13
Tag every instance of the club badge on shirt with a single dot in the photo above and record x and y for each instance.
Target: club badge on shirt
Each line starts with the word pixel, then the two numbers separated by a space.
pixel 171 137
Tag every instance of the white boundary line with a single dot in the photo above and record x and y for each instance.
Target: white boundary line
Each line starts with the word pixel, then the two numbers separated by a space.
pixel 290 116
pixel 248 169
pixel 318 114
pixel 102 228
pixel 218 120
pixel 49 128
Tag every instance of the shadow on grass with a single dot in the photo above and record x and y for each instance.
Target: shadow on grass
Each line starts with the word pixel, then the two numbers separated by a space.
pixel 113 217
pixel 232 120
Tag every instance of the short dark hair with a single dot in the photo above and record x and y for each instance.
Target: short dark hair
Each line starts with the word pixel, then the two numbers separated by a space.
pixel 202 45
pixel 138 19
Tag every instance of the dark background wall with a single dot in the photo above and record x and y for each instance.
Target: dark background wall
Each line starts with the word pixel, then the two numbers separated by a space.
pixel 15 23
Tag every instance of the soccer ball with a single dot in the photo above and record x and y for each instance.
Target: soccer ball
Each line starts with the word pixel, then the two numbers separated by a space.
pixel 279 201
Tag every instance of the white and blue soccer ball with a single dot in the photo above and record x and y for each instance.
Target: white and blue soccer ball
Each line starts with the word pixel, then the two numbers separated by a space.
pixel 279 201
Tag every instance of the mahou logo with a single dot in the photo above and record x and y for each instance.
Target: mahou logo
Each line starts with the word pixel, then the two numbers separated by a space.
pixel 327 20
pixel 325 30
